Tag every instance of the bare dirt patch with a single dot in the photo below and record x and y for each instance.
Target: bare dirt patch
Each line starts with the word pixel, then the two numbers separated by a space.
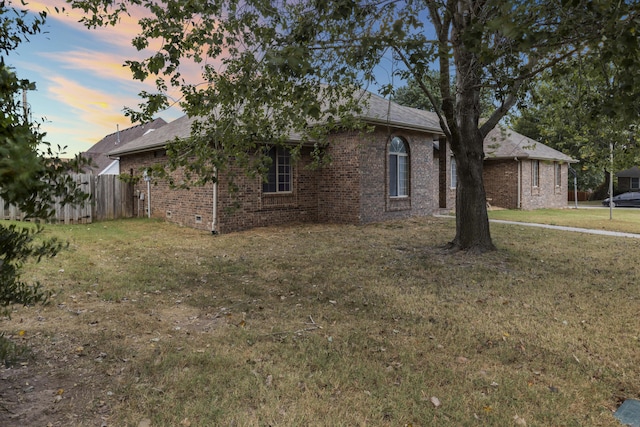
pixel 72 369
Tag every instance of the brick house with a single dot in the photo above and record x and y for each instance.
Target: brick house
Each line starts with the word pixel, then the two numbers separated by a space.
pixel 389 173
pixel 629 180
pixel 521 173
pixel 403 168
pixel 101 163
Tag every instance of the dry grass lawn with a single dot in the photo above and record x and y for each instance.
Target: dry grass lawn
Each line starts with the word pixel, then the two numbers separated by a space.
pixel 156 325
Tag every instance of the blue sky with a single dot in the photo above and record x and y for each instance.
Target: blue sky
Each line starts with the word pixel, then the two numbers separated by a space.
pixel 82 86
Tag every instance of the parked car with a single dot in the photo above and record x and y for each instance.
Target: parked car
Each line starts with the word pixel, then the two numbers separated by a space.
pixel 631 199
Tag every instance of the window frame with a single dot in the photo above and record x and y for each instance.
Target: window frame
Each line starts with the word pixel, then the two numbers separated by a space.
pixel 398 165
pixel 637 186
pixel 558 174
pixel 279 177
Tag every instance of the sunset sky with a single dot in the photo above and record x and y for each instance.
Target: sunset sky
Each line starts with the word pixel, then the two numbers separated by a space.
pixel 82 86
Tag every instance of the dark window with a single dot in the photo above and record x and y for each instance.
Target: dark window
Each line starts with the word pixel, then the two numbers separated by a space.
pixel 535 173
pixel 454 173
pixel 278 177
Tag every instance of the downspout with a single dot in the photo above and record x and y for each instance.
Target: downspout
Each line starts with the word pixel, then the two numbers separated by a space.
pixel 149 199
pixel 147 178
pixel 519 203
pixel 214 218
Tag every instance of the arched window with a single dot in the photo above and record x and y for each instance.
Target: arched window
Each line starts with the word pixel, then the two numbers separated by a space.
pixel 398 168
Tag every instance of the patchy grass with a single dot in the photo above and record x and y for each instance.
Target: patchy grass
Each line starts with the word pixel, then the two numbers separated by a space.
pixel 327 325
pixel 623 219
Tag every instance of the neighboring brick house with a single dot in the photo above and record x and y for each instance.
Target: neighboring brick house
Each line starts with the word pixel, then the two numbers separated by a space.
pixel 389 173
pixel 521 173
pixel 101 163
pixel 629 180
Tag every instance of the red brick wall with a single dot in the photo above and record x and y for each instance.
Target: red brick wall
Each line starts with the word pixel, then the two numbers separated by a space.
pixel 245 208
pixel 339 181
pixel 249 207
pixel 178 206
pixel 501 183
pixel 546 194
pixel 351 189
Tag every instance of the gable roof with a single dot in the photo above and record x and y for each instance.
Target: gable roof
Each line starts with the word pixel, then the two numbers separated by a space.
pixel 379 111
pixel 98 153
pixel 633 172
pixel 502 143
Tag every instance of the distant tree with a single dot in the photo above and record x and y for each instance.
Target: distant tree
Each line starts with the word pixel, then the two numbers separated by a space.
pixel 569 110
pixel 271 67
pixel 32 176
pixel 412 94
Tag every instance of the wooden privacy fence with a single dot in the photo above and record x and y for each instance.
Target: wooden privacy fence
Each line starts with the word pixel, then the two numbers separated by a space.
pixel 110 198
pixel 583 196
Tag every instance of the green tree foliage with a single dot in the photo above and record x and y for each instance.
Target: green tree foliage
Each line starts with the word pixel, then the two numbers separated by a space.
pixel 273 67
pixel 412 94
pixel 32 177
pixel 570 109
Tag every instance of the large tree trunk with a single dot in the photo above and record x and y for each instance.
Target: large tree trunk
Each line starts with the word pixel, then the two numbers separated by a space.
pixel 463 118
pixel 472 221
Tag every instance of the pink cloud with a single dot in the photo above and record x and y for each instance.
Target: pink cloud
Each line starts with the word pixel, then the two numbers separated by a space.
pixel 120 35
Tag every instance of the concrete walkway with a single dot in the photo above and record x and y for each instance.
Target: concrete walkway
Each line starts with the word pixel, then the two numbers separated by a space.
pixel 576 229
pixel 559 227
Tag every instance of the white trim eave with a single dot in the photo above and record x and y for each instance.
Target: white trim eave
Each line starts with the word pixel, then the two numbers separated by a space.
pixel 110 169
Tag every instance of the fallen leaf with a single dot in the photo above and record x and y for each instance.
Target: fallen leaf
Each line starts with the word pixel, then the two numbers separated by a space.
pixel 436 402
pixel 145 423
pixel 186 423
pixel 520 421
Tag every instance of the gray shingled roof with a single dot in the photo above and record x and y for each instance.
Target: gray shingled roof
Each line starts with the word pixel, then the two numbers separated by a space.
pixel 503 143
pixel 98 153
pixel 380 111
pixel 633 172
pixel 180 128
